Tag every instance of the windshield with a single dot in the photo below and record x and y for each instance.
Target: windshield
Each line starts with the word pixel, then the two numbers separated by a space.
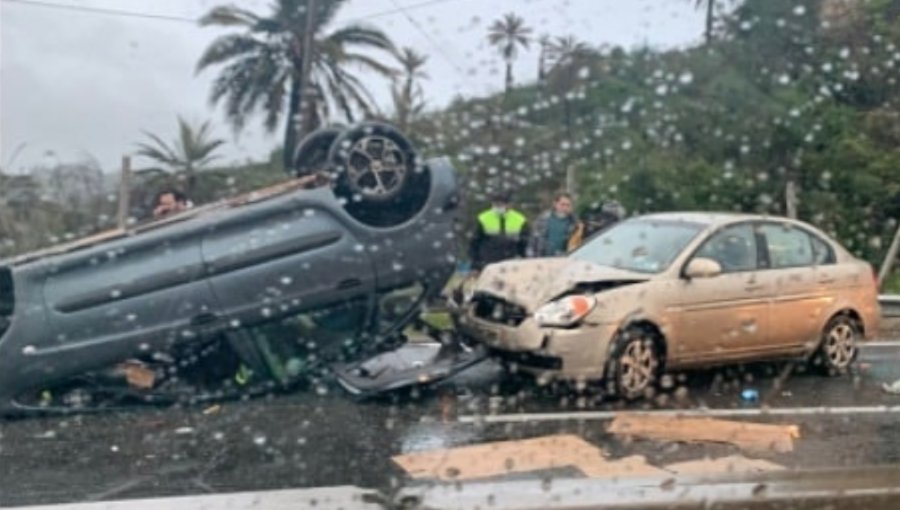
pixel 645 246
pixel 449 253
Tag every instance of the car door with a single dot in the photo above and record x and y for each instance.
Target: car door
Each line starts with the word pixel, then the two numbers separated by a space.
pixel 127 296
pixel 284 256
pixel 803 280
pixel 725 316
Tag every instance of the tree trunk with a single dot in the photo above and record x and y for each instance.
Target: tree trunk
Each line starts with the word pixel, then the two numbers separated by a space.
pixel 709 20
pixel 290 131
pixel 509 77
pixel 542 58
pixel 888 264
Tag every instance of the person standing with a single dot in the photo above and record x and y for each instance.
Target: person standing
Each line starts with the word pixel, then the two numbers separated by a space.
pixel 557 231
pixel 599 219
pixel 501 233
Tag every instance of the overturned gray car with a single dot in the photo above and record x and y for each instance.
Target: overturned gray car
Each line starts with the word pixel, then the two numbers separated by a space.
pixel 244 296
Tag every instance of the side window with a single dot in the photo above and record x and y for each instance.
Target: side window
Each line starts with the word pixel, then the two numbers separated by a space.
pixel 823 253
pixel 734 248
pixel 788 246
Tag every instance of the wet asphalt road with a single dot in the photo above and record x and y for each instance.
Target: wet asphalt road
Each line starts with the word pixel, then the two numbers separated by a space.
pixel 322 437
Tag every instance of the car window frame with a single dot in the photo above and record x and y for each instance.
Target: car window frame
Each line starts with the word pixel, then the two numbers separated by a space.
pixel 810 235
pixel 760 256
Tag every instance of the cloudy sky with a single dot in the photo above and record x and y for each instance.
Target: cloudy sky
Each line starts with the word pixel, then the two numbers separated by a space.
pixel 79 82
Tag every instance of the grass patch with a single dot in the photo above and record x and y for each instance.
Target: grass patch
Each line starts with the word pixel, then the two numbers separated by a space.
pixel 891 284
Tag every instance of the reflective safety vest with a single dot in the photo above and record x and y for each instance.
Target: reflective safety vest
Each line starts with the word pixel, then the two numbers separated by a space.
pixel 510 224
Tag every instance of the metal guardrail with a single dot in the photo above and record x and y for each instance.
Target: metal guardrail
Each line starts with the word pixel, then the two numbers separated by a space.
pixel 890 305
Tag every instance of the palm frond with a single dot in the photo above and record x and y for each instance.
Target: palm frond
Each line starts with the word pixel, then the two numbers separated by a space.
pixel 226 48
pixel 229 16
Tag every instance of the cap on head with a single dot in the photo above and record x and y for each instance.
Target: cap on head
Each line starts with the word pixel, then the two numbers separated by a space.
pixel 501 197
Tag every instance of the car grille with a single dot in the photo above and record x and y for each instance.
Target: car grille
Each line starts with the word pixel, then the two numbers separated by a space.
pixel 494 309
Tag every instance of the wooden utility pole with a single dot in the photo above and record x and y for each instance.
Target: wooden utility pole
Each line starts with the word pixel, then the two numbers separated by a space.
pixel 124 193
pixel 306 98
pixel 790 199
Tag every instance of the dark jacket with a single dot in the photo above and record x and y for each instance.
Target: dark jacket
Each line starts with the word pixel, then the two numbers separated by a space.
pixel 498 238
pixel 537 247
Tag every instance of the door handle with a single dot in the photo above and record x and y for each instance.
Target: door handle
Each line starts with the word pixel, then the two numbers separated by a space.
pixel 754 287
pixel 204 318
pixel 349 283
pixel 826 279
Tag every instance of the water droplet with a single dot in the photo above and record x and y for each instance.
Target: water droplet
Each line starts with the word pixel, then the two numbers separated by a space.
pixel 259 440
pixel 29 350
pixel 784 79
pixel 662 89
pixel 686 78
pixel 286 280
pixel 800 10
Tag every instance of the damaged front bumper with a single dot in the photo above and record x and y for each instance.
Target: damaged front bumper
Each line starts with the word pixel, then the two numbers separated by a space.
pixel 560 353
pixel 411 365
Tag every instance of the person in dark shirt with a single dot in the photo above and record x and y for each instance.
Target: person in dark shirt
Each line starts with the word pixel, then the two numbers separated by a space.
pixel 501 233
pixel 557 231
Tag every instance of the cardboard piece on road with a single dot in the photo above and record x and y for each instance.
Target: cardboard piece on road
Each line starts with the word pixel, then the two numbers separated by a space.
pixel 735 464
pixel 505 457
pixel 138 376
pixel 756 437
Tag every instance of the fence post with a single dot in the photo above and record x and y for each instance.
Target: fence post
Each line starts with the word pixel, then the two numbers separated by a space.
pixel 890 258
pixel 124 193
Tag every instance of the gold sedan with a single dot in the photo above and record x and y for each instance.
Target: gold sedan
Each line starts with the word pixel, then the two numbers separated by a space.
pixel 675 291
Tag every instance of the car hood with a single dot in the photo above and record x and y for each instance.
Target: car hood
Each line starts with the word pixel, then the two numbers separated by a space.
pixel 532 283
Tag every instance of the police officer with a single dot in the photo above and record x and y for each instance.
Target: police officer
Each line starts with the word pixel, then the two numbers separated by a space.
pixel 502 233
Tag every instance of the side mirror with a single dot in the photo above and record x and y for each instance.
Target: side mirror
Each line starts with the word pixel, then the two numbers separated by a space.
pixel 702 267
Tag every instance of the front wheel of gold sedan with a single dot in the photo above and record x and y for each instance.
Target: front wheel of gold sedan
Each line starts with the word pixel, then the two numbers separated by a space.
pixel 634 368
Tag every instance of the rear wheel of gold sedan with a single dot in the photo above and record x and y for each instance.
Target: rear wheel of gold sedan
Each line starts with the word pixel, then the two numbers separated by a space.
pixel 838 349
pixel 634 368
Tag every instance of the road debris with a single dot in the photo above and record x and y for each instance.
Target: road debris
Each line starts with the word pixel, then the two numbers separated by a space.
pixel 212 409
pixel 756 437
pixel 181 431
pixel 892 388
pixel 505 457
pixel 734 464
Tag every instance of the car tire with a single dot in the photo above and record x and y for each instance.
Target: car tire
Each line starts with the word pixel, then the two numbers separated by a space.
pixel 312 153
pixel 635 364
pixel 838 349
pixel 376 173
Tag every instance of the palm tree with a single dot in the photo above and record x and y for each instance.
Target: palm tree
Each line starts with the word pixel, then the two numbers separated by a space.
pixel 263 64
pixel 408 95
pixel 710 4
pixel 192 150
pixel 508 34
pixel 544 42
pixel 567 51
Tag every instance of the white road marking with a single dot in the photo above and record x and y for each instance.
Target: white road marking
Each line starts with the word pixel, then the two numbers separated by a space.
pixel 881 343
pixel 694 413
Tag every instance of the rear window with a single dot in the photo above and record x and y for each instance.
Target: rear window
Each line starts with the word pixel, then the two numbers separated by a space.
pixel 789 246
